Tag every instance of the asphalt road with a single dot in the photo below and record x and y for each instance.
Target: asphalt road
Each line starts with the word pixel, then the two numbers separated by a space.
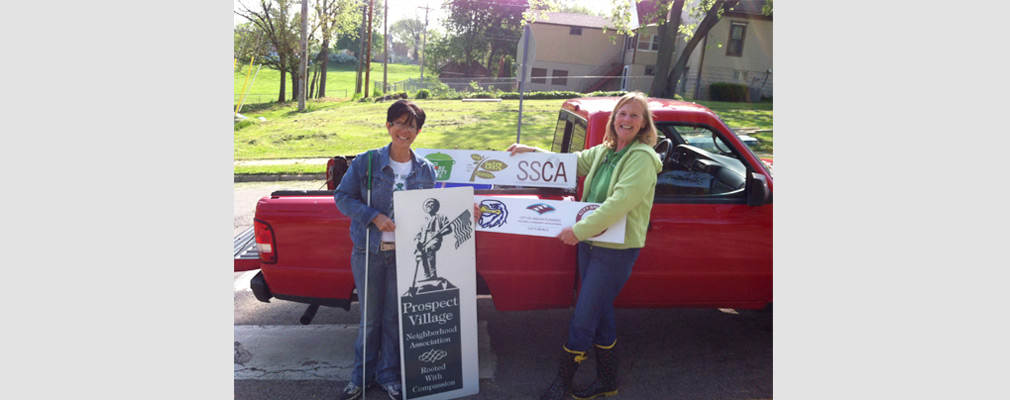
pixel 663 353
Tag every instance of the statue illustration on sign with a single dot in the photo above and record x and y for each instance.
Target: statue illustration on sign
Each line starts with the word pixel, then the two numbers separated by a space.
pixel 429 241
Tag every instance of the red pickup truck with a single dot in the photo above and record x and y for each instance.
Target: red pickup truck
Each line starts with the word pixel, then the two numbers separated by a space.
pixel 709 241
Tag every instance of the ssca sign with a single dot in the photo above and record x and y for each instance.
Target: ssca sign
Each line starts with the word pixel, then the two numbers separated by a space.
pixel 501 168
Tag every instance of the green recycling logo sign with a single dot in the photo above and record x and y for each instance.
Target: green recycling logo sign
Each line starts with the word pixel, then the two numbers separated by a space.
pixel 443 165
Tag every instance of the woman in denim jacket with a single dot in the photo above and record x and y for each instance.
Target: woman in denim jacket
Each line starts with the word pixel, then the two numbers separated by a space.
pixel 394 167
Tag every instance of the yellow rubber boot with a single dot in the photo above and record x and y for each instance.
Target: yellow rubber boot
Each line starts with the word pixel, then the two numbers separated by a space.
pixel 562 384
pixel 606 375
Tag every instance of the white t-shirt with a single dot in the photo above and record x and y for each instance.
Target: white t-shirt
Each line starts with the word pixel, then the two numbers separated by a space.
pixel 400 172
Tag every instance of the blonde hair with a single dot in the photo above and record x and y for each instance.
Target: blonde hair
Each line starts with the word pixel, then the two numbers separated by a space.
pixel 648 133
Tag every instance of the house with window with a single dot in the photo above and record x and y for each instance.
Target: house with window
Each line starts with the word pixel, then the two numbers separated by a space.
pixel 571 52
pixel 737 50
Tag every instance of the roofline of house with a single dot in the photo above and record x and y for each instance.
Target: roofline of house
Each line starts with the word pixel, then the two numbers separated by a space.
pixel 577 26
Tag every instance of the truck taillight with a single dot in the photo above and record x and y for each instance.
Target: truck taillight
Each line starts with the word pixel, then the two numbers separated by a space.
pixel 265 242
pixel 331 183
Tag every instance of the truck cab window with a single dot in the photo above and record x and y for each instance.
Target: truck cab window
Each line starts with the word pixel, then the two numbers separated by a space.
pixel 701 167
pixel 578 136
pixel 560 144
pixel 570 134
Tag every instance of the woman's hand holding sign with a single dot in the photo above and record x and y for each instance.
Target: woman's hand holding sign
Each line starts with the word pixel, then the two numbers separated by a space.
pixel 384 223
pixel 517 148
pixel 567 235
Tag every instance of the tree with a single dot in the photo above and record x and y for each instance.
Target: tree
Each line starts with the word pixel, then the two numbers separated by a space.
pixel 364 39
pixel 333 17
pixel 504 34
pixel 408 32
pixel 577 8
pixel 439 49
pixel 280 24
pixel 481 31
pixel 249 44
pixel 667 44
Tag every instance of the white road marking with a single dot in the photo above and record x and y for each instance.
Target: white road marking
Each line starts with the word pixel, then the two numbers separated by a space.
pixel 242 281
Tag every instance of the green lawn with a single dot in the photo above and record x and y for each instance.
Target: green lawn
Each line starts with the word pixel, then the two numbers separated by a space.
pixel 337 126
pixel 339 81
pixel 345 127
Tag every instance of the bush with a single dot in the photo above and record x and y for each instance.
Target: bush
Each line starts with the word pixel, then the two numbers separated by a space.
pixel 443 92
pixel 394 96
pixel 341 58
pixel 551 95
pixel 724 91
pixel 617 93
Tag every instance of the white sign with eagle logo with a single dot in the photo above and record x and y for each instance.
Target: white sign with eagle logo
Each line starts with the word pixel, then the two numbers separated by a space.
pixel 530 215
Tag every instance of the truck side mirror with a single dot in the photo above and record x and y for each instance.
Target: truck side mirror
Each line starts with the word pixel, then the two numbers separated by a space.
pixel 758 193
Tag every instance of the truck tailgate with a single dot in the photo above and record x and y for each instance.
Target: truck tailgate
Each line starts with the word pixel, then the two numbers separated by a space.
pixel 246 255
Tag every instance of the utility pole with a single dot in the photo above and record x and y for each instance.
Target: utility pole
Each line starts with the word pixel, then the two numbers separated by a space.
pixel 368 51
pixel 305 56
pixel 361 48
pixel 424 38
pixel 527 33
pixel 385 47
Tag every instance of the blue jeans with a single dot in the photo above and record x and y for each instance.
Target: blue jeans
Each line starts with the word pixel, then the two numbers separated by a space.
pixel 603 272
pixel 383 353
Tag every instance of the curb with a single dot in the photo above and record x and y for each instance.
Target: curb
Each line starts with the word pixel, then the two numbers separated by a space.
pixel 279 177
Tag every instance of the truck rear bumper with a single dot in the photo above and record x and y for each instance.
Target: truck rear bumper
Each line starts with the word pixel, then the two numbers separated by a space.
pixel 261 290
pixel 258 285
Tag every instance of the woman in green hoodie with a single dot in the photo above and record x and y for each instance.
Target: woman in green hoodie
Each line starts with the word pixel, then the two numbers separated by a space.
pixel 621 174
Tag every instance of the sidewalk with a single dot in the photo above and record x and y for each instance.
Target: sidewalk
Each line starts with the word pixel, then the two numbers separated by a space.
pixel 283 177
pixel 282 161
pixel 314 351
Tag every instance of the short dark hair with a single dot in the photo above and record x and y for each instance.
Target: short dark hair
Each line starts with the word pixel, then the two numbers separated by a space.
pixel 403 107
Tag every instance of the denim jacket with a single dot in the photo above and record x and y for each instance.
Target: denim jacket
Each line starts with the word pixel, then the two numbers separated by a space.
pixel 350 193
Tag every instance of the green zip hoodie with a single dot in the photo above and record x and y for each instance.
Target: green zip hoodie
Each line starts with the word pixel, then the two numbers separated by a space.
pixel 632 189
